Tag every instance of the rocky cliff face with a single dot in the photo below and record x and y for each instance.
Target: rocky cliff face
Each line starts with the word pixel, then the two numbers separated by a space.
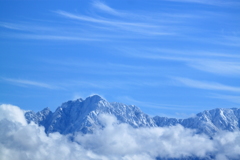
pixel 208 122
pixel 83 115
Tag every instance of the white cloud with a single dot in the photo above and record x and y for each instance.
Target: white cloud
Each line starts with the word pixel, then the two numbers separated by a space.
pixel 142 104
pixel 206 85
pixel 101 6
pixel 230 41
pixel 219 67
pixel 121 140
pixel 29 83
pixel 27 142
pixel 209 2
pixel 231 98
pixel 114 142
pixel 25 27
pixel 213 62
pixel 56 37
pixel 95 20
pixel 12 113
pixel 145 28
pixel 227 145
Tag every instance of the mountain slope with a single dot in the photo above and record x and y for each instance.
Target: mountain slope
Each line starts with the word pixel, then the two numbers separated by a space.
pixel 208 122
pixel 83 115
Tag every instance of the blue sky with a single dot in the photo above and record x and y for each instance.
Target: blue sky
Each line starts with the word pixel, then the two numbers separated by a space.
pixel 169 57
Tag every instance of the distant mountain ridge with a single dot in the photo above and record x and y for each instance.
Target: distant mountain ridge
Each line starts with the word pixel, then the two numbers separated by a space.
pixel 208 122
pixel 82 116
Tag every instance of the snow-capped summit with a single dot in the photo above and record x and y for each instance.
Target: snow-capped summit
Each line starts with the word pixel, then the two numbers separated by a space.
pixel 83 115
pixel 208 122
pixel 95 97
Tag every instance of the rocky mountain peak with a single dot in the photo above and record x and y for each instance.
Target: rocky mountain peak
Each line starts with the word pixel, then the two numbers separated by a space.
pixel 83 115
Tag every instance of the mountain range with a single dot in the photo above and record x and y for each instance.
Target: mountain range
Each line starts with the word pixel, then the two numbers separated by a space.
pixel 83 116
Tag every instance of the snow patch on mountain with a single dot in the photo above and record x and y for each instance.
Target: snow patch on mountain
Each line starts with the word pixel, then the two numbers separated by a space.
pixel 118 141
pixel 83 116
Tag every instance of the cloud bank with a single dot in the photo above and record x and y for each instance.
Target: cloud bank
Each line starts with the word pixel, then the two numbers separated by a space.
pixel 19 140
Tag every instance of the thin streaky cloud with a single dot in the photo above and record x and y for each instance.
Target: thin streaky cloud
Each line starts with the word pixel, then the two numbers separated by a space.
pixel 103 21
pixel 103 69
pixel 93 64
pixel 132 101
pixel 108 84
pixel 93 84
pixel 103 7
pixel 205 85
pixel 30 83
pixel 230 98
pixel 161 52
pixel 11 26
pixel 153 17
pixel 151 55
pixel 209 2
pixel 230 41
pixel 219 67
pixel 52 37
pixel 25 26
pixel 194 1
pixel 183 55
pixel 193 53
pixel 135 27
pixel 218 63
pixel 32 30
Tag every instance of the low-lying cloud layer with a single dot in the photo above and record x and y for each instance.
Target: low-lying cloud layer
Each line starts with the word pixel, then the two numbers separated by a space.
pixel 19 140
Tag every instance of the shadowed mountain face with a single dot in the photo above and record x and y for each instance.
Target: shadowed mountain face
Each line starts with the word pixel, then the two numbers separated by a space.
pixel 83 116
pixel 208 122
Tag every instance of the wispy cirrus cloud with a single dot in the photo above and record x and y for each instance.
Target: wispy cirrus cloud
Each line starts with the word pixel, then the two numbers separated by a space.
pixel 194 1
pixel 209 2
pixel 105 8
pixel 142 104
pixel 205 85
pixel 114 69
pixel 213 62
pixel 25 26
pixel 33 32
pixel 174 54
pixel 109 84
pixel 24 82
pixel 102 21
pixel 230 98
pixel 56 37
pixel 138 25
pixel 12 26
pixel 134 27
pixel 218 67
pixel 230 40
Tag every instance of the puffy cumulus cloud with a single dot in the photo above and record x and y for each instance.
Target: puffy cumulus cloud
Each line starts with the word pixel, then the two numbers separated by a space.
pixel 228 145
pixel 21 141
pixel 12 113
pixel 115 142
pixel 29 142
pixel 123 141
